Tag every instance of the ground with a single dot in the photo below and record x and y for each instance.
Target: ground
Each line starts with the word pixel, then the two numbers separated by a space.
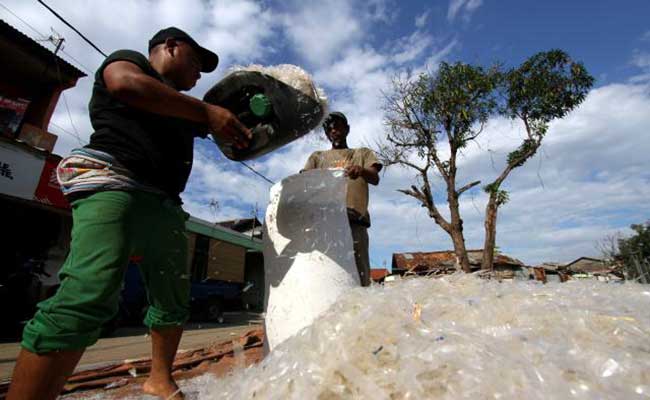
pixel 132 342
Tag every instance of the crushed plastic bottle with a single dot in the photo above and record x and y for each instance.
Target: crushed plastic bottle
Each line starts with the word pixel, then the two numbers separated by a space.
pixel 459 337
pixel 277 103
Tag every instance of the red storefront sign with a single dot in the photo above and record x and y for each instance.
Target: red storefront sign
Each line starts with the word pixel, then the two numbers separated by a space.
pixel 48 190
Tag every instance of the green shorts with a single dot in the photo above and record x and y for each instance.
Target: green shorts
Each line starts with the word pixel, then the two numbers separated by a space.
pixel 110 228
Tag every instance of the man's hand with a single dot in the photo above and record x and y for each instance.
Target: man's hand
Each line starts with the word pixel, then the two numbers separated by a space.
pixel 370 174
pixel 354 171
pixel 225 125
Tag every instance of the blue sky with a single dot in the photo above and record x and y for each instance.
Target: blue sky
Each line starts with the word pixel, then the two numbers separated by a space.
pixel 590 179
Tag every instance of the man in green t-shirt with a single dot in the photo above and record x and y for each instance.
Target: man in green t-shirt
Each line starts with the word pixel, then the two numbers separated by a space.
pixel 361 167
pixel 124 188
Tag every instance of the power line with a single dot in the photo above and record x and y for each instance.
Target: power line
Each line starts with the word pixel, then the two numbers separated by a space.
pixel 86 69
pixel 72 27
pixel 45 38
pixel 257 173
pixel 65 100
pixel 60 128
pixel 23 21
pixel 104 54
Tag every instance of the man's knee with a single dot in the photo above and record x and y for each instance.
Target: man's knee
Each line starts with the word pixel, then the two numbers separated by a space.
pixel 159 318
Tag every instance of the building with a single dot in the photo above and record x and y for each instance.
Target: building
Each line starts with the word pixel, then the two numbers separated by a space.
pixel 36 218
pixel 223 254
pixel 248 226
pixel 587 267
pixel 444 262
pixel 378 275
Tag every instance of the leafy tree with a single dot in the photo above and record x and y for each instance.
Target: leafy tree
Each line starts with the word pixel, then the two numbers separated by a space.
pixel 432 118
pixel 545 87
pixel 634 252
pixel 449 107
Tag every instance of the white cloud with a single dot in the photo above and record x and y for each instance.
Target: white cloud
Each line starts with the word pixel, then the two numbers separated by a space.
pixel 593 164
pixel 641 60
pixel 421 20
pixel 411 47
pixel 318 31
pixel 589 180
pixel 463 7
pixel 646 36
pixel 240 30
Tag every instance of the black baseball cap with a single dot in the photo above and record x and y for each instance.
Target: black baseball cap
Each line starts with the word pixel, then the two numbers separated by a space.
pixel 209 60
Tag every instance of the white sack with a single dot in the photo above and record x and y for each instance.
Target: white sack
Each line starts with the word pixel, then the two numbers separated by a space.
pixel 308 252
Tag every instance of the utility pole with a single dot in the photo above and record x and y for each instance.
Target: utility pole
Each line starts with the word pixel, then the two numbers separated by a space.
pixel 255 210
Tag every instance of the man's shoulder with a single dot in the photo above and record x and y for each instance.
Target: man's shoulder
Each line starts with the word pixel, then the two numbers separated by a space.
pixel 132 56
pixel 127 55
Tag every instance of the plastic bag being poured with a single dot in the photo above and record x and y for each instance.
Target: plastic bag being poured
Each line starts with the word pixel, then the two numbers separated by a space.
pixel 278 104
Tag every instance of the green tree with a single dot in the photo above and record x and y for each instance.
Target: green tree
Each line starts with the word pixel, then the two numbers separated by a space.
pixel 634 252
pixel 545 87
pixel 451 105
pixel 430 119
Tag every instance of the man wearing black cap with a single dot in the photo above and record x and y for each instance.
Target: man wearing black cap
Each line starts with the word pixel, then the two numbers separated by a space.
pixel 124 188
pixel 361 167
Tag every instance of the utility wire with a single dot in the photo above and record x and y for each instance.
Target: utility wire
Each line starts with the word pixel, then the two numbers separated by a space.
pixel 257 173
pixel 45 38
pixel 72 27
pixel 62 129
pixel 22 20
pixel 104 54
pixel 65 102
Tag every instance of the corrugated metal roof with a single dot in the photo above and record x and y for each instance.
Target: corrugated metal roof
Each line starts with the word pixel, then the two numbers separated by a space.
pixel 377 274
pixel 589 265
pixel 419 261
pixel 36 49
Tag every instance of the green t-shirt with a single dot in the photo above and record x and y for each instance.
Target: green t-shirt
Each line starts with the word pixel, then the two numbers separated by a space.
pixel 158 150
pixel 357 196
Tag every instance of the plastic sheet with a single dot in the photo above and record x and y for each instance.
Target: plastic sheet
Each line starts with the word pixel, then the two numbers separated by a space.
pixel 474 339
pixel 308 252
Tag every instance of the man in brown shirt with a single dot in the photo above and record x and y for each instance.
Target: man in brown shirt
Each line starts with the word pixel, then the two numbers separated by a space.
pixel 361 167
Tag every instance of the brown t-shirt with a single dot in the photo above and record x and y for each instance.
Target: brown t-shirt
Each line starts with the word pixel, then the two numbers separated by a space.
pixel 357 196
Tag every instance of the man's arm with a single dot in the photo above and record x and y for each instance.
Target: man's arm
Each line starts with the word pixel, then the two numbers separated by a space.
pixel 310 164
pixel 129 84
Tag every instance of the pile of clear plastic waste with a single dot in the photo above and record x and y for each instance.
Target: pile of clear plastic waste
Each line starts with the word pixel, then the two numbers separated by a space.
pixel 460 337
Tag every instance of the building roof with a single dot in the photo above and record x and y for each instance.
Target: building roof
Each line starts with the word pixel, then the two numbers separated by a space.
pixel 378 274
pixel 588 265
pixel 422 261
pixel 222 233
pixel 241 224
pixel 29 56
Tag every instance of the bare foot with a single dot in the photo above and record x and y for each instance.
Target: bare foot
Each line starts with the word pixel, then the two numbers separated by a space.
pixel 164 388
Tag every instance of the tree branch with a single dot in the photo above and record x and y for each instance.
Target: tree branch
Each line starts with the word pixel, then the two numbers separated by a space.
pixel 467 187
